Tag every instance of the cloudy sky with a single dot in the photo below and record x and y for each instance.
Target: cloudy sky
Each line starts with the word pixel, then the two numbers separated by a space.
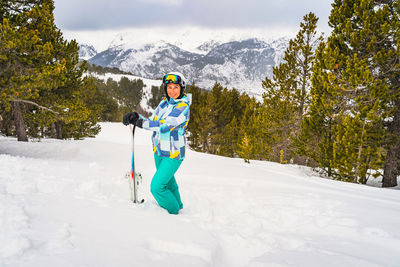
pixel 100 19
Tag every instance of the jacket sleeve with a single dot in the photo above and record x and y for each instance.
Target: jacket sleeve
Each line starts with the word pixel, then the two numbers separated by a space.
pixel 154 113
pixel 179 115
pixel 141 119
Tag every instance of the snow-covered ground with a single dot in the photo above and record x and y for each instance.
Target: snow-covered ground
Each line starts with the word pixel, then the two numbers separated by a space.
pixel 66 203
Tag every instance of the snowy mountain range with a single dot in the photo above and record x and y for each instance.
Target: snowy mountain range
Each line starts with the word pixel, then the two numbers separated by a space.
pixel 86 51
pixel 239 64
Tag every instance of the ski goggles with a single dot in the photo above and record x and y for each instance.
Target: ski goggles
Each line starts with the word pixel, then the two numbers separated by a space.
pixel 172 78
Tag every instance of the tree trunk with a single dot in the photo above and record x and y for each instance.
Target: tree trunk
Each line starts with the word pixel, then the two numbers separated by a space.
pixel 360 178
pixel 19 122
pixel 392 163
pixel 300 160
pixel 58 125
pixel 391 171
pixel 53 131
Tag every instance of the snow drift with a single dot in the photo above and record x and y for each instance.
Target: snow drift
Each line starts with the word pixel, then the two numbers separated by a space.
pixel 66 203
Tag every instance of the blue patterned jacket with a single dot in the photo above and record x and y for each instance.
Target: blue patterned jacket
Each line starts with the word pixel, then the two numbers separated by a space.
pixel 169 122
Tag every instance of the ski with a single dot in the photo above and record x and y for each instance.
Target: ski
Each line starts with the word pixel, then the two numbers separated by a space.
pixel 135 178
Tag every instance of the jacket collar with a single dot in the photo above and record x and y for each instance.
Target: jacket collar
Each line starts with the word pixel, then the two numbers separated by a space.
pixel 186 98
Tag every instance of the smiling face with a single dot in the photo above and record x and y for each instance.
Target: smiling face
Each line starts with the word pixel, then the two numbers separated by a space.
pixel 173 90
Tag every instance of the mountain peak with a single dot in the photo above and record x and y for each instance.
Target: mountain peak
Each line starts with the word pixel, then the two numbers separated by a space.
pixel 207 46
pixel 86 51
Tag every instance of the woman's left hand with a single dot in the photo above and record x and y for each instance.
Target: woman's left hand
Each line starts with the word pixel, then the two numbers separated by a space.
pixel 130 118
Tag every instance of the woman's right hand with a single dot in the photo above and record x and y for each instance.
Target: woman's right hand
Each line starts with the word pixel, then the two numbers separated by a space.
pixel 130 118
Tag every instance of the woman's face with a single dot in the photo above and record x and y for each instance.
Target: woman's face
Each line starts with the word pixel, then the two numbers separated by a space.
pixel 173 90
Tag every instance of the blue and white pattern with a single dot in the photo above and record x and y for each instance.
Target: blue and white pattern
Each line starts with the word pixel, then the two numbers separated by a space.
pixel 169 122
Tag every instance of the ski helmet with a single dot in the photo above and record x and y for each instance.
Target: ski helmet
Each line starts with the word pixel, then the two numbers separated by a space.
pixel 175 78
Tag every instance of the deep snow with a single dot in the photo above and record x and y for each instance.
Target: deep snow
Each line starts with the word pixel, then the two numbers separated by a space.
pixel 66 203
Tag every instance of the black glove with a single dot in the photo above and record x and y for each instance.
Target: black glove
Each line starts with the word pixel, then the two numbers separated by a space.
pixel 130 118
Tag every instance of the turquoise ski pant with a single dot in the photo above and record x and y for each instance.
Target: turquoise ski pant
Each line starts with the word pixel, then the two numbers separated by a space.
pixel 163 185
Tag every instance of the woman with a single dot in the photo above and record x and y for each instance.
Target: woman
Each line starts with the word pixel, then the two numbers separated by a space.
pixel 168 123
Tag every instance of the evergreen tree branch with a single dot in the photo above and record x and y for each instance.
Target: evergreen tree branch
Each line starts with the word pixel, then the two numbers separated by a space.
pixel 35 104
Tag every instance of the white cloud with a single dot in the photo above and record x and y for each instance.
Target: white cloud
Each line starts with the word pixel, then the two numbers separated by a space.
pixel 163 2
pixel 118 14
pixel 186 37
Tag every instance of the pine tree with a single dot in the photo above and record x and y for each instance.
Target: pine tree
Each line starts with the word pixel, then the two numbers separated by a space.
pixel 215 118
pixel 230 138
pixel 12 9
pixel 245 148
pixel 69 97
pixel 250 125
pixel 24 61
pixel 110 108
pixel 353 94
pixel 388 62
pixel 131 91
pixel 195 123
pixel 84 114
pixel 219 119
pixel 157 93
pixel 202 120
pixel 287 94
pixel 228 108
pixel 208 117
pixel 42 79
